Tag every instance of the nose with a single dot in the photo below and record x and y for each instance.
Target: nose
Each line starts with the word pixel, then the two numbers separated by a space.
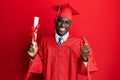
pixel 63 24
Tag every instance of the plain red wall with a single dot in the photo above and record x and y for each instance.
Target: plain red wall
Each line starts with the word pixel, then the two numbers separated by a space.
pixel 99 22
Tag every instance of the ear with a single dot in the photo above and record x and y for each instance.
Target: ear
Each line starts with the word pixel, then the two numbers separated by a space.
pixel 71 24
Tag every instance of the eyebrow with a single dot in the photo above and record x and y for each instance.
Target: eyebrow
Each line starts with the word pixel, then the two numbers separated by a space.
pixel 63 19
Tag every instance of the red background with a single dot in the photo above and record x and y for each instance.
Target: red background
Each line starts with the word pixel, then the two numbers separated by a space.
pixel 99 22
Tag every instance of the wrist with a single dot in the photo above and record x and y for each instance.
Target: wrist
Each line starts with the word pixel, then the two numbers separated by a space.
pixel 32 57
pixel 85 59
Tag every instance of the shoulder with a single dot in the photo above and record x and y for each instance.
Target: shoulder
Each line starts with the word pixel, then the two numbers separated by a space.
pixel 74 38
pixel 46 39
pixel 78 39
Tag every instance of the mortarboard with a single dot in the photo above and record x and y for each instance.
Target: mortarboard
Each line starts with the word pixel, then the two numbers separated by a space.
pixel 66 10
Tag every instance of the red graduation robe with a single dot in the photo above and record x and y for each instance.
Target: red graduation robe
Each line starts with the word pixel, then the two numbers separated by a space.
pixel 61 62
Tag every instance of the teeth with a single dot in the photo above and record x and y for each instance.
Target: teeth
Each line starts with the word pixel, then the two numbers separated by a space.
pixel 62 29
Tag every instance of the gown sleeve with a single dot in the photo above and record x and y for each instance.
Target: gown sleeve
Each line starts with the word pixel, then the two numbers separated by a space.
pixel 91 65
pixel 35 65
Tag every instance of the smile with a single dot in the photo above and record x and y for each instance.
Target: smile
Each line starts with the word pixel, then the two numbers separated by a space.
pixel 61 29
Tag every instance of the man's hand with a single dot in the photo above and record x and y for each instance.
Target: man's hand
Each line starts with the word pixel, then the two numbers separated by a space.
pixel 32 50
pixel 86 49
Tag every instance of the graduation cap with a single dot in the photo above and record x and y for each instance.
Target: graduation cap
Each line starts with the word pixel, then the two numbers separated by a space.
pixel 66 10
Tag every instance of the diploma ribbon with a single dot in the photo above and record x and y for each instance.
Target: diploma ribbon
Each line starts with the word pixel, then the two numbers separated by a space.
pixel 35 30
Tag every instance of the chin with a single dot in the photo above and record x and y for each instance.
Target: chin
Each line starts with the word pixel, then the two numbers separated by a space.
pixel 62 34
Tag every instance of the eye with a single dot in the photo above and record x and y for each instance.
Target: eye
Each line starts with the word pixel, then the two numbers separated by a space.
pixel 59 20
pixel 68 22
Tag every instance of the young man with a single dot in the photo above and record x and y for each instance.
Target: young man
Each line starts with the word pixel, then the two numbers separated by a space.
pixel 62 56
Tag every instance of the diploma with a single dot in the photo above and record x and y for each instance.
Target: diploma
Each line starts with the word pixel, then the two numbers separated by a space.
pixel 36 21
pixel 35 29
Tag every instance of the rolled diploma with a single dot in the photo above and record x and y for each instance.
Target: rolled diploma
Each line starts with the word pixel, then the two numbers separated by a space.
pixel 36 21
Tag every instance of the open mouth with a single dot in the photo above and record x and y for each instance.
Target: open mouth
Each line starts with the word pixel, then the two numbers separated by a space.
pixel 61 29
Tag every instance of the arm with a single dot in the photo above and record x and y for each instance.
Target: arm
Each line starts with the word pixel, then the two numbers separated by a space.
pixel 86 56
pixel 36 64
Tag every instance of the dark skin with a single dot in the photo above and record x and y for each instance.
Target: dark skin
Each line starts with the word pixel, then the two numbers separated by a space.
pixel 62 26
pixel 31 50
pixel 86 49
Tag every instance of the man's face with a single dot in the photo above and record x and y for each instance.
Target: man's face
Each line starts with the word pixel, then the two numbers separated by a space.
pixel 62 25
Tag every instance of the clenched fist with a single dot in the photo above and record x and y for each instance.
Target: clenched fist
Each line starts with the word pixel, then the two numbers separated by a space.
pixel 32 50
pixel 86 49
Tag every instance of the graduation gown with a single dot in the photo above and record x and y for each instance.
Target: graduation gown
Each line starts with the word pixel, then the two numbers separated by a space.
pixel 61 62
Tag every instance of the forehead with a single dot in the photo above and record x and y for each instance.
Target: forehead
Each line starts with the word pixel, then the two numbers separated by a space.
pixel 64 19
